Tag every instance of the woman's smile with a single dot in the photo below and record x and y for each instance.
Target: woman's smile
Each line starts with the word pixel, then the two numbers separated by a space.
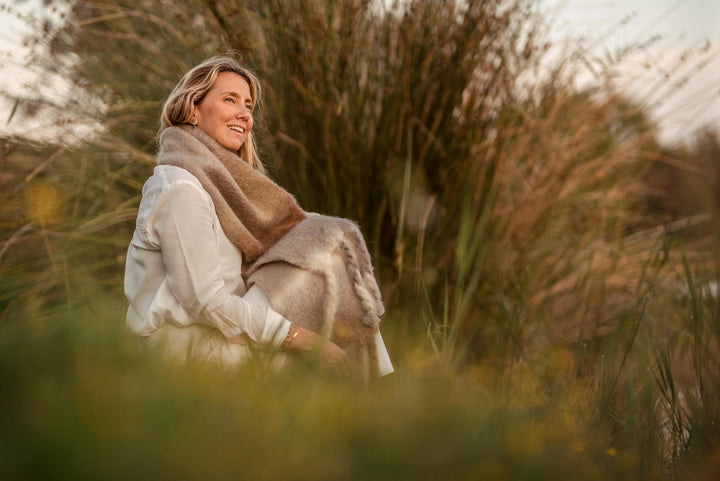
pixel 225 114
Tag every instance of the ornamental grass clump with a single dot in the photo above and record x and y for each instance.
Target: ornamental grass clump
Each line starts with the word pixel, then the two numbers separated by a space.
pixel 494 201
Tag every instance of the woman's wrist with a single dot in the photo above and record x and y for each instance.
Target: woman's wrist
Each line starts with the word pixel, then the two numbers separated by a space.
pixel 305 340
pixel 293 331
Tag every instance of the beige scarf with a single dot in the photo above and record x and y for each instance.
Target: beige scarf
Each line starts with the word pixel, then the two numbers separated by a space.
pixel 253 210
pixel 320 276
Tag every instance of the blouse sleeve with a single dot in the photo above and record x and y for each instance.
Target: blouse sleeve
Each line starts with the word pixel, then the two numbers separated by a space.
pixel 186 232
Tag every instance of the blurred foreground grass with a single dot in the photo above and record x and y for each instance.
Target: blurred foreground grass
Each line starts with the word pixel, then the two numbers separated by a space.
pixel 82 399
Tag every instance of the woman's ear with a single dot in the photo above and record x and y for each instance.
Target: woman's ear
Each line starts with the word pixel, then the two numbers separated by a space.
pixel 195 120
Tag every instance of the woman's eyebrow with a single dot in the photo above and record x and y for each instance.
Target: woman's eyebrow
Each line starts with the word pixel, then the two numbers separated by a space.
pixel 233 93
pixel 236 95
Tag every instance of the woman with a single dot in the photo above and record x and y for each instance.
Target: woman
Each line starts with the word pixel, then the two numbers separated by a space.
pixel 208 215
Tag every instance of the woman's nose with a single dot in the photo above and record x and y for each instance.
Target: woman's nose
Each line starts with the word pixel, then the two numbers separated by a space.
pixel 244 113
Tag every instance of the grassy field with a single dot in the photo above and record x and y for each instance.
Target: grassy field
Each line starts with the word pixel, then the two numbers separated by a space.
pixel 546 263
pixel 82 399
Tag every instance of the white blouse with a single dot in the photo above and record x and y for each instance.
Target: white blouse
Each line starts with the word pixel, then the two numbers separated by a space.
pixel 194 281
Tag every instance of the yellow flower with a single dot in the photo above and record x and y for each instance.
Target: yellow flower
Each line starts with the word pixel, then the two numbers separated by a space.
pixel 43 203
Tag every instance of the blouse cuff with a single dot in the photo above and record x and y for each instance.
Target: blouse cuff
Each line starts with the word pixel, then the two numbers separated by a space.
pixel 277 334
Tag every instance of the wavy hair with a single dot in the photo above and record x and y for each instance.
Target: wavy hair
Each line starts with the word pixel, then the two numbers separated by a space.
pixel 192 89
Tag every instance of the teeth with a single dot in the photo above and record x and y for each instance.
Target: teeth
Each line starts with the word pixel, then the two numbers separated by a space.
pixel 239 129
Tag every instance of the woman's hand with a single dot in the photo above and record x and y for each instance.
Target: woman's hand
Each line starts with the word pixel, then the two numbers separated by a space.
pixel 331 356
pixel 335 358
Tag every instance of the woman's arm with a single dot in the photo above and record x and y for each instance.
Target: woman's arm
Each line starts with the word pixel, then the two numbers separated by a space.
pixel 305 340
pixel 188 242
pixel 183 222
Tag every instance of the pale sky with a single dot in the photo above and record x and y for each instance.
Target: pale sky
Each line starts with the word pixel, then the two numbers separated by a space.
pixel 683 95
pixel 696 20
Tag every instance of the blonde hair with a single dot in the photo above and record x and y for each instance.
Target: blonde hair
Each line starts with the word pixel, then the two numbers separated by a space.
pixel 192 89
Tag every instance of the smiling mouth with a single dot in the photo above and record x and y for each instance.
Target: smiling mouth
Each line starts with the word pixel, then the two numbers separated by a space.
pixel 237 129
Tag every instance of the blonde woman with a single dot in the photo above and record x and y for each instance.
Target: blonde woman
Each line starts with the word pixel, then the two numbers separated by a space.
pixel 209 218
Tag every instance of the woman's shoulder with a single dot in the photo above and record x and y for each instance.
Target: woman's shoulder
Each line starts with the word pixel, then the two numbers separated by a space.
pixel 169 189
pixel 168 182
pixel 170 177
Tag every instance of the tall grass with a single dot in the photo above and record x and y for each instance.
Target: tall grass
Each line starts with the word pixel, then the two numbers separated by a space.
pixel 534 314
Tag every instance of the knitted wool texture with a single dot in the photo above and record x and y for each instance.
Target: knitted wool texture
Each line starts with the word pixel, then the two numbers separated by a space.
pixel 253 210
pixel 320 276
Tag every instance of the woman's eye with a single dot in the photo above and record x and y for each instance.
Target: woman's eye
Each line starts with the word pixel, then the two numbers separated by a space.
pixel 229 99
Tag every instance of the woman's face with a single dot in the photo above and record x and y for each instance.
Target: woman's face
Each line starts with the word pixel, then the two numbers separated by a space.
pixel 225 114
